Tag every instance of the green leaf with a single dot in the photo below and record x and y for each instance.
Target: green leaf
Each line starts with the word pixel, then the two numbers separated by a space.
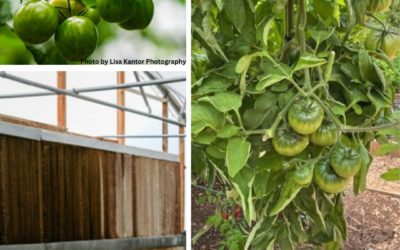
pixel 391 175
pixel 243 183
pixel 379 99
pixel 224 102
pixel 269 80
pixel 289 192
pixel 265 101
pixel 205 137
pixel 360 180
pixel 205 115
pixel 228 131
pixel 243 63
pixel 213 84
pixel 387 149
pixel 5 11
pixel 267 28
pixel 237 153
pixel 235 11
pixel 309 61
pixel 367 69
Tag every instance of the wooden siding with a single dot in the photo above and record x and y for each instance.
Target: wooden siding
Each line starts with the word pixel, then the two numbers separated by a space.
pixel 52 192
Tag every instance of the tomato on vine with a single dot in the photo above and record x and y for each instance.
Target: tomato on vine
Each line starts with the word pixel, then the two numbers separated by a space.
pixel 305 116
pixel 326 134
pixel 388 42
pixel 327 179
pixel 289 143
pixel 35 21
pixel 115 11
pixel 303 175
pixel 65 10
pixel 141 17
pixel 345 161
pixel 93 15
pixel 76 38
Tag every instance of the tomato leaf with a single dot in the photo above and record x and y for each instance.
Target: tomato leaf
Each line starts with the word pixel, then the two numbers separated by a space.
pixel 205 115
pixel 237 153
pixel 238 18
pixel 289 192
pixel 243 183
pixel 5 11
pixel 391 175
pixel 385 149
pixel 308 61
pixel 360 180
pixel 269 80
pixel 228 131
pixel 224 102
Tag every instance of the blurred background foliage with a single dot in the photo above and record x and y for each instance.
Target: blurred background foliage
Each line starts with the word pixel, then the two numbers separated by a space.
pixel 165 38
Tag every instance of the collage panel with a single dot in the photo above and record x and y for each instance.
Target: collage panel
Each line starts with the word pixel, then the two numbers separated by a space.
pixel 295 124
pixel 92 159
pixel 93 32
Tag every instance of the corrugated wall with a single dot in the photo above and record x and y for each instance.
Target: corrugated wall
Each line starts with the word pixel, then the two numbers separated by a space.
pixel 54 192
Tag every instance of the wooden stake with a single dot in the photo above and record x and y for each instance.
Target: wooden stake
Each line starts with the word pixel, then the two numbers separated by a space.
pixel 61 100
pixel 165 125
pixel 182 176
pixel 121 102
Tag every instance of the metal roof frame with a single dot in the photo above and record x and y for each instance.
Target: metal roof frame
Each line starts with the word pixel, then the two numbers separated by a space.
pixel 75 93
pixel 76 140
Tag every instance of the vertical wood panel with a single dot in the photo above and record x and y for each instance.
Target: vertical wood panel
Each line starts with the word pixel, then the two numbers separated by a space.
pixel 121 102
pixel 61 100
pixel 53 192
pixel 4 192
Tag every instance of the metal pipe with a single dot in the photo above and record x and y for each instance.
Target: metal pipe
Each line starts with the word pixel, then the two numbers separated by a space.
pixel 97 88
pixel 106 244
pixel 150 96
pixel 143 136
pixel 136 74
pixel 86 98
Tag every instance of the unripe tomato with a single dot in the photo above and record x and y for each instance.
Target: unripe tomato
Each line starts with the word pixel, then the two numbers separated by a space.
pixel 326 135
pixel 303 175
pixel 142 14
pixel 36 21
pixel 93 15
pixel 376 6
pixel 305 116
pixel 388 43
pixel 327 179
pixel 287 142
pixel 76 38
pixel 345 161
pixel 115 11
pixel 62 6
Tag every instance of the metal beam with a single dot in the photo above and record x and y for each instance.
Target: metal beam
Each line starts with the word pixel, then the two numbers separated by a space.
pixel 81 141
pixel 86 98
pixel 142 136
pixel 94 89
pixel 106 244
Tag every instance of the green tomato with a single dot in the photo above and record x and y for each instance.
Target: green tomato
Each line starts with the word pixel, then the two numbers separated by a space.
pixel 326 135
pixel 388 43
pixel 345 161
pixel 305 116
pixel 76 38
pixel 63 8
pixel 327 179
pixel 36 21
pixel 303 175
pixel 377 6
pixel 287 142
pixel 93 15
pixel 142 15
pixel 115 11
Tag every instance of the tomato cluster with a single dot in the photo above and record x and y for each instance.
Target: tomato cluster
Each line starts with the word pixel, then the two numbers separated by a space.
pixel 307 124
pixel 74 24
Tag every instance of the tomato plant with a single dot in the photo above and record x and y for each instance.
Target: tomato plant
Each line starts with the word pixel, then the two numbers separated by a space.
pixel 286 100
pixel 36 21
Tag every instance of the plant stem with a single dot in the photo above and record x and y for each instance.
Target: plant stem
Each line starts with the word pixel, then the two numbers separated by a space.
pixel 347 129
pixel 302 21
pixel 329 66
pixel 69 8
pixel 240 122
